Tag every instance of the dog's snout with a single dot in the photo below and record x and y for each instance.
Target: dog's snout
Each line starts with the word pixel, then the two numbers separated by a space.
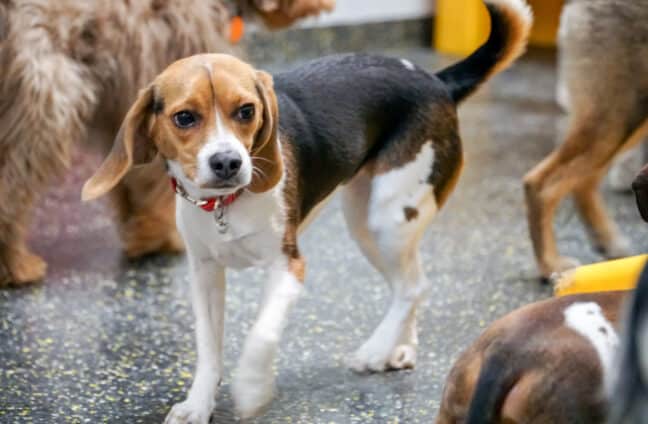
pixel 225 164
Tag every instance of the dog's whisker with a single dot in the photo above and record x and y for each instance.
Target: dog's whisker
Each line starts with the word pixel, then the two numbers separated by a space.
pixel 259 172
pixel 260 158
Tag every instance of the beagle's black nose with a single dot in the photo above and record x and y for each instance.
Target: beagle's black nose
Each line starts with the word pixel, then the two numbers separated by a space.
pixel 225 164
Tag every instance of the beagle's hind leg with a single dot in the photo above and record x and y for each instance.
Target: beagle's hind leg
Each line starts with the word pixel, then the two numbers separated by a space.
pixel 387 215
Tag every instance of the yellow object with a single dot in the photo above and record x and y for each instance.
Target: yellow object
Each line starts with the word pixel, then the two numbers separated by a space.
pixel 463 25
pixel 620 274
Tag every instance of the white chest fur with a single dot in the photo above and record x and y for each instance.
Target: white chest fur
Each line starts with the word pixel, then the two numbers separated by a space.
pixel 255 227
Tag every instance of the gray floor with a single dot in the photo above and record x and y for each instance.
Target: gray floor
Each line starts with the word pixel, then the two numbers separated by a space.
pixel 104 340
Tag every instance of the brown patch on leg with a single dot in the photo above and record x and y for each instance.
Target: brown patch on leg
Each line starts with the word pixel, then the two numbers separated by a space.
pixel 297 267
pixel 410 213
pixel 296 263
pixel 443 189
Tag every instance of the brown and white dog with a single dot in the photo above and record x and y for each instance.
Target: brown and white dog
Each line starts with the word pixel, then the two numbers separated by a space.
pixel 548 362
pixel 558 361
pixel 603 68
pixel 253 157
pixel 69 71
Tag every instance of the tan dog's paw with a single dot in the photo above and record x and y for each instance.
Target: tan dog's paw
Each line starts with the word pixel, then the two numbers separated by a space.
pixel 23 267
pixel 619 247
pixel 550 268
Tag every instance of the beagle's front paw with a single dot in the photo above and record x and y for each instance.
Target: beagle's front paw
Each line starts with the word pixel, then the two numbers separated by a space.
pixel 252 391
pixel 373 356
pixel 189 413
pixel 403 357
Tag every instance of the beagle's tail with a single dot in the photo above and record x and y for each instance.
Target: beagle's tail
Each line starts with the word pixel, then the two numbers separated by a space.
pixel 496 379
pixel 511 22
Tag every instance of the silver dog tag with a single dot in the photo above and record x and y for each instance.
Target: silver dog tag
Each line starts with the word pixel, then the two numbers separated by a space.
pixel 219 217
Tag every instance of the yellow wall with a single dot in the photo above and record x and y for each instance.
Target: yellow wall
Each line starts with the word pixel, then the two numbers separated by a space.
pixel 462 25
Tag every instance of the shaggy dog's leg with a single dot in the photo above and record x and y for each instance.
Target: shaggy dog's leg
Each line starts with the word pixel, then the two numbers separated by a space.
pixel 146 212
pixel 45 105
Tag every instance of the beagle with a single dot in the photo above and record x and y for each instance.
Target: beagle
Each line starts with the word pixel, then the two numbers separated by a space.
pixel 252 157
pixel 548 362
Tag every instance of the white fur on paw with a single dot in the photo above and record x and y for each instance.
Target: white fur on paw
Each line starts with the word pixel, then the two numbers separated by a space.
pixel 252 392
pixel 403 357
pixel 370 359
pixel 188 413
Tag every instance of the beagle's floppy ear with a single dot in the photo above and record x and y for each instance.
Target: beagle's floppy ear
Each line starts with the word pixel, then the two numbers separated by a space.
pixel 266 151
pixel 132 146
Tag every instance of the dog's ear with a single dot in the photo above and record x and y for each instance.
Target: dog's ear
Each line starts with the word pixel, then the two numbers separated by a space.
pixel 133 146
pixel 266 152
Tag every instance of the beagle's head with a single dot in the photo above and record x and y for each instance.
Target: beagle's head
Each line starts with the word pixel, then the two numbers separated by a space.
pixel 212 117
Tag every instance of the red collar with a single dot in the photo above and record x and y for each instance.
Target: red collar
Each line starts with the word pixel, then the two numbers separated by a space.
pixel 209 204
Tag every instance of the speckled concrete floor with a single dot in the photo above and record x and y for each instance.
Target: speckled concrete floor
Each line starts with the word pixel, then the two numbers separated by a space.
pixel 104 340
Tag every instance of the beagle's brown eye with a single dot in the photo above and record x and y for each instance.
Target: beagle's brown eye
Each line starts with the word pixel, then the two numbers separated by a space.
pixel 185 119
pixel 245 112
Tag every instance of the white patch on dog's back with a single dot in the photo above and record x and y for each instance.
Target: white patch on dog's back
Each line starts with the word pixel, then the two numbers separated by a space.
pixel 587 319
pixel 409 65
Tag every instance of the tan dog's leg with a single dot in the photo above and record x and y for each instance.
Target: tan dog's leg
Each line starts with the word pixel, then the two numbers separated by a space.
pixel 146 212
pixel 542 201
pixel 576 166
pixel 604 233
